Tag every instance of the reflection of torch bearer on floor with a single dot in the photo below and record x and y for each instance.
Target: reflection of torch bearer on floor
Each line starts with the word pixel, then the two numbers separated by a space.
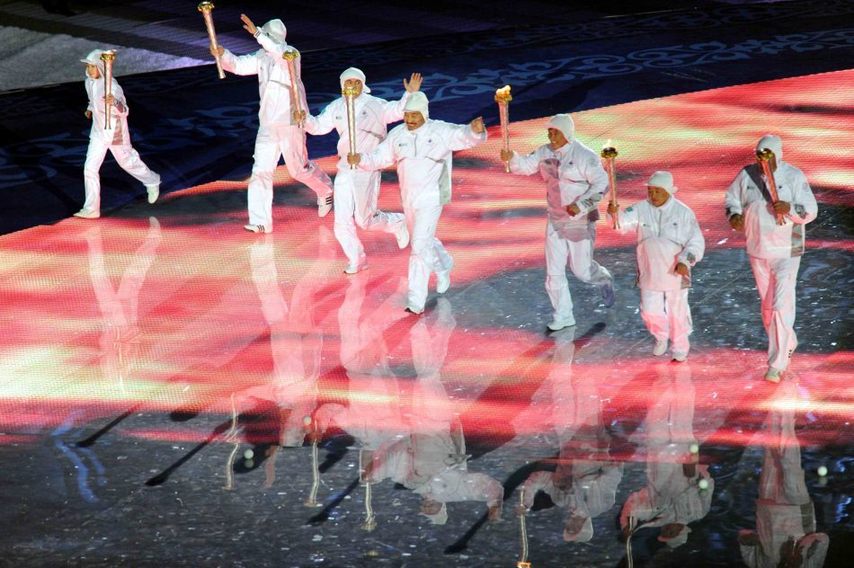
pixel 290 58
pixel 503 98
pixel 764 158
pixel 350 94
pixel 108 57
pixel 609 154
pixel 206 8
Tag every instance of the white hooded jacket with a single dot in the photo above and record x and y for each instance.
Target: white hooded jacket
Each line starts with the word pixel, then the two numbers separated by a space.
pixel 667 235
pixel 423 157
pixel 117 133
pixel 765 238
pixel 573 174
pixel 373 114
pixel 274 80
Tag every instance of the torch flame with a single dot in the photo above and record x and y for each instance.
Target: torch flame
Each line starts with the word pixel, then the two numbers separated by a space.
pixel 503 94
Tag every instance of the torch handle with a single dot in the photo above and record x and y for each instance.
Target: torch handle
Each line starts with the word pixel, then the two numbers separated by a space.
pixel 504 117
pixel 108 91
pixel 612 181
pixel 295 94
pixel 208 16
pixel 772 187
pixel 351 122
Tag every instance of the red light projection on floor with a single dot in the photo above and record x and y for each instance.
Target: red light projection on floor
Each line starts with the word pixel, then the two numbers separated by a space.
pixel 184 312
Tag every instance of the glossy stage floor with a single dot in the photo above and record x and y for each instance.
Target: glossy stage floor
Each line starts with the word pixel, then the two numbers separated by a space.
pixel 176 391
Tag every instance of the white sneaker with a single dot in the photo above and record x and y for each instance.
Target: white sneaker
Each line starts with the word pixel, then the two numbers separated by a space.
pixel 557 325
pixel 324 205
pixel 153 192
pixel 443 281
pixel 415 311
pixel 256 228
pixel 660 347
pixel 402 236
pixel 680 357
pixel 773 375
pixel 84 214
pixel 354 268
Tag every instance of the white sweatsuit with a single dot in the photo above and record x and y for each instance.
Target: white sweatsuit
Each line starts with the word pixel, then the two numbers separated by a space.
pixel 784 509
pixel 671 494
pixel 356 191
pixel 774 250
pixel 667 235
pixel 423 158
pixel 115 139
pixel 277 135
pixel 574 175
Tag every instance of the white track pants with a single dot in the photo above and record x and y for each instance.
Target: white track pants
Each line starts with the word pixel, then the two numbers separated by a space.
pixel 427 254
pixel 127 158
pixel 271 143
pixel 579 255
pixel 356 194
pixel 775 280
pixel 667 315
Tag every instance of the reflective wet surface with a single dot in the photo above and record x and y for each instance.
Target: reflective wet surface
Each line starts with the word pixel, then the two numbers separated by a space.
pixel 177 391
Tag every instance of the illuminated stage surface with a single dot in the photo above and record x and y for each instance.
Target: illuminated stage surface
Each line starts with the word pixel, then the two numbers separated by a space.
pixel 164 378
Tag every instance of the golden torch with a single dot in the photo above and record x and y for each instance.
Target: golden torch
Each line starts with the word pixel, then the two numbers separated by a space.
pixel 206 8
pixel 609 154
pixel 108 57
pixel 290 58
pixel 764 158
pixel 503 98
pixel 350 102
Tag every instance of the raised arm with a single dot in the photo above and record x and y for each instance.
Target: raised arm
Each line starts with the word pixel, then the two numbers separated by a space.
pixel 393 110
pixel 464 136
pixel 524 165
